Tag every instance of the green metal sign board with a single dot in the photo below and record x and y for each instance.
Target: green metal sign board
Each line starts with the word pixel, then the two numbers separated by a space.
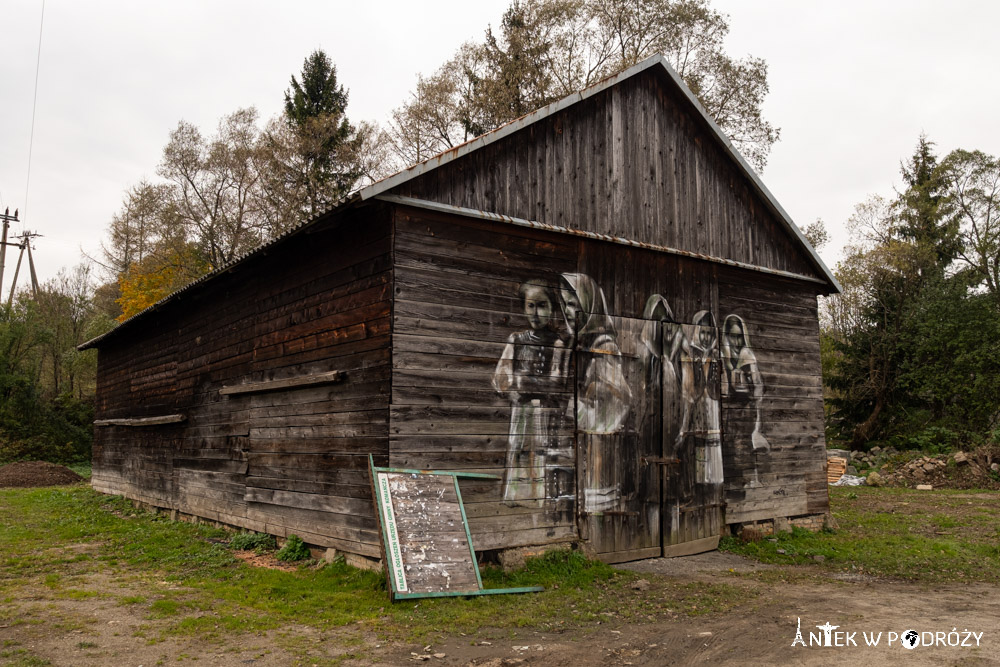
pixel 426 544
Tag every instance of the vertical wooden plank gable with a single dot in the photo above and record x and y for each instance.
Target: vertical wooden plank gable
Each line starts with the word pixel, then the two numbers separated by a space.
pixel 702 203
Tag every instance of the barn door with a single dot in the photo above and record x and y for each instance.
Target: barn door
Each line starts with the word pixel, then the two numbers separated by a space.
pixel 618 426
pixel 693 506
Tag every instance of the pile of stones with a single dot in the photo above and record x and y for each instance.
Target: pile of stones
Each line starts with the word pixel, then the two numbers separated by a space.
pixel 958 470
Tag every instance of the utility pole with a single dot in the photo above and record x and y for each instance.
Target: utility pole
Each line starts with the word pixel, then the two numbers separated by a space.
pixel 7 219
pixel 25 244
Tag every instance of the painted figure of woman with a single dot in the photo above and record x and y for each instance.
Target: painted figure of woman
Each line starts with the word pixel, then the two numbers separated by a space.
pixel 603 395
pixel 743 374
pixel 661 343
pixel 529 373
pixel 700 396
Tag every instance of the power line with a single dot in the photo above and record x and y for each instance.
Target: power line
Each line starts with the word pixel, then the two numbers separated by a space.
pixel 34 106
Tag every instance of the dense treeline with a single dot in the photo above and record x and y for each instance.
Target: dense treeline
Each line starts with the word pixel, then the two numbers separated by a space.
pixel 46 385
pixel 912 346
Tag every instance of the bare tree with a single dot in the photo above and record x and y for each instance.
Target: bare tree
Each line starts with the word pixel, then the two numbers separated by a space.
pixel 546 49
pixel 147 225
pixel 973 204
pixel 215 183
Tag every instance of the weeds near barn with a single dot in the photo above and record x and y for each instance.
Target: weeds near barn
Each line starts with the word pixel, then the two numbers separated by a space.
pixel 249 541
pixel 294 550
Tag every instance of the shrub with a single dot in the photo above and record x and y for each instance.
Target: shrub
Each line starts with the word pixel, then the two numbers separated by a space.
pixel 294 549
pixel 259 542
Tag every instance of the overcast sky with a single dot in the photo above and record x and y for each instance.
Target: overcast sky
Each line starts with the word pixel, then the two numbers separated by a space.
pixel 853 84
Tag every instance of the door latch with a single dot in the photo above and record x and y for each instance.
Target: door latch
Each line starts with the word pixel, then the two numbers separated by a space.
pixel 659 460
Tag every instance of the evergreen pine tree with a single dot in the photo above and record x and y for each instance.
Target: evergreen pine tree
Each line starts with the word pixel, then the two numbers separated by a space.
pixel 326 142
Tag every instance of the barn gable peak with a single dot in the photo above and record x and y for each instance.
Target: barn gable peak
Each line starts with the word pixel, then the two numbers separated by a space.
pixel 481 153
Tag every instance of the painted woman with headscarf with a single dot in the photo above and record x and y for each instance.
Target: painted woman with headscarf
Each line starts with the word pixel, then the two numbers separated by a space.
pixel 530 372
pixel 661 340
pixel 742 373
pixel 700 397
pixel 603 396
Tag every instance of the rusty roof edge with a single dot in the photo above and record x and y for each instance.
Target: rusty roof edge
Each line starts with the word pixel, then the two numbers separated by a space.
pixel 533 224
pixel 339 205
pixel 380 187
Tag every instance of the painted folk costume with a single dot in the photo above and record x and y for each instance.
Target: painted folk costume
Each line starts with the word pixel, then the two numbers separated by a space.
pixel 603 395
pixel 530 372
pixel 700 379
pixel 743 375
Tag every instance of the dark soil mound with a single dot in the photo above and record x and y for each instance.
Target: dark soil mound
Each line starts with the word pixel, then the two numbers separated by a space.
pixel 36 473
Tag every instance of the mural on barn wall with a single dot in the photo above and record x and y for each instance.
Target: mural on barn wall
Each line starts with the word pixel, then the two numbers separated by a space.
pixel 700 397
pixel 746 389
pixel 603 396
pixel 675 396
pixel 532 372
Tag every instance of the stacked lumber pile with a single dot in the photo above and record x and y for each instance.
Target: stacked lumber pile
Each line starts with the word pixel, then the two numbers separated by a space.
pixel 835 469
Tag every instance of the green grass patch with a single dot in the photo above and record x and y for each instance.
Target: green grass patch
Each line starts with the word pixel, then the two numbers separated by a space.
pixel 163 608
pixel 76 594
pixel 198 588
pixel 899 533
pixel 83 469
pixel 131 599
pixel 945 521
pixel 22 658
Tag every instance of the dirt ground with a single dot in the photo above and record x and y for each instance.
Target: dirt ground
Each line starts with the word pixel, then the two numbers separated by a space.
pixel 762 632
pixel 99 630
pixel 36 473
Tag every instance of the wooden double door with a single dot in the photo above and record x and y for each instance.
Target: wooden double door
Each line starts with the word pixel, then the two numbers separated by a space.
pixel 649 458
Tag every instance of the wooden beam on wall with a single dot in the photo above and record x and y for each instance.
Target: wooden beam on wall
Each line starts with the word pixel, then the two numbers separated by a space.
pixel 287 383
pixel 141 421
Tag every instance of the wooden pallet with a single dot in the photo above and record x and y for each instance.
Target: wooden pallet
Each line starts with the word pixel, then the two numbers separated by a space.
pixel 835 468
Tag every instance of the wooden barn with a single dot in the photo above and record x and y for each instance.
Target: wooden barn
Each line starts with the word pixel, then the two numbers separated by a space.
pixel 599 303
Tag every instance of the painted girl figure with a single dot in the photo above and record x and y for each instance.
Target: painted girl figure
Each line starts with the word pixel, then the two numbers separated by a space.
pixel 603 395
pixel 662 338
pixel 700 396
pixel 742 374
pixel 529 373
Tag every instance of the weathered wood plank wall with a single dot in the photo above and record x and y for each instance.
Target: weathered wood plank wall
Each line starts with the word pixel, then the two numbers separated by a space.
pixel 459 299
pixel 140 382
pixel 631 162
pixel 782 331
pixel 286 461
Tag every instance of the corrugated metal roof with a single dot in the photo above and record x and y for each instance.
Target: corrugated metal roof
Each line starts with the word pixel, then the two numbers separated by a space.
pixel 390 182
